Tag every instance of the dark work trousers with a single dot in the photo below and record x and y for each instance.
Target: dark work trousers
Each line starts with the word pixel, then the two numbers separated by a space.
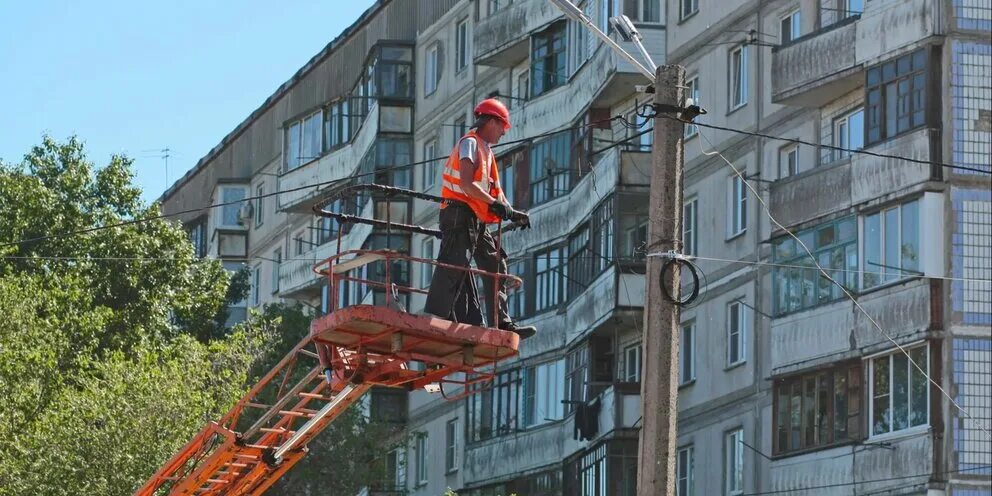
pixel 453 294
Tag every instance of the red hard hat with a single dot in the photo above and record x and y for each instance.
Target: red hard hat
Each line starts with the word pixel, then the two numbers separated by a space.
pixel 494 108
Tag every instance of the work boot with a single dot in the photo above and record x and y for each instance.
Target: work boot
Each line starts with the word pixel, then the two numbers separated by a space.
pixel 524 332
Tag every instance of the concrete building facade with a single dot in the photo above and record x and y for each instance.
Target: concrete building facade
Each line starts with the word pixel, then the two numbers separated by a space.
pixel 788 385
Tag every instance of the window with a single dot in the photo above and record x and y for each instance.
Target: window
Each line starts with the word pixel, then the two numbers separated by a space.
pixel 817 410
pixel 426 270
pixel 692 91
pixel 543 392
pixel 580 262
pixel 895 93
pixel 835 246
pixel 736 333
pixel 576 375
pixel 602 234
pixel 550 175
pixel 690 233
pixel 451 446
pixel 338 128
pixel 516 298
pixel 198 237
pixel 548 59
pixel 643 142
pixel 432 71
pixel 592 472
pixel 849 133
pixel 259 204
pixel 578 40
pixel 459 128
pixel 850 8
pixel 256 285
pixel 421 458
pixel 687 353
pixel 548 278
pixel 687 8
pixel 684 472
pixel 738 206
pixel 607 9
pixel 429 175
pixel 231 196
pixel 634 222
pixel 395 473
pixel 899 391
pixel 632 363
pixel 494 410
pixel 788 161
pixel 791 27
pixel 523 87
pixel 735 462
pixel 496 5
pixel 514 177
pixel 891 244
pixel 650 11
pixel 738 77
pixel 276 264
pixel 302 140
pixel 461 45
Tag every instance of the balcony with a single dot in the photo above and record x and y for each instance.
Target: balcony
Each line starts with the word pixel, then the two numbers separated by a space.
pixel 837 331
pixel 296 276
pixel 818 67
pixel 340 163
pixel 502 39
pixel 826 64
pixel 620 409
pixel 231 243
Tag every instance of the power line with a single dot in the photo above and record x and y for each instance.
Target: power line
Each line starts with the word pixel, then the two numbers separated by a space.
pixel 843 289
pixel 300 188
pixel 832 147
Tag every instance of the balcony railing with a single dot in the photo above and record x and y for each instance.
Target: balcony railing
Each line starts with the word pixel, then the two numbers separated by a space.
pixel 818 67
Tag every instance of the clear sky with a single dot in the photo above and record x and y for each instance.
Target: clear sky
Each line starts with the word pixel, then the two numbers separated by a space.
pixel 135 77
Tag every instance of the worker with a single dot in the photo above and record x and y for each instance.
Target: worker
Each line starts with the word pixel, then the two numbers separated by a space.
pixel 474 199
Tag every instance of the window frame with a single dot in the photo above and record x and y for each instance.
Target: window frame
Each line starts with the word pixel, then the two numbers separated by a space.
pixel 428 177
pixel 557 58
pixel 687 355
pixel 420 454
pixel 900 272
pixel 432 69
pixel 690 227
pixel 741 333
pixel 683 14
pixel 461 45
pixel 229 206
pixel 641 18
pixel 426 270
pixel 785 153
pixel 276 264
pixel 845 120
pixel 784 277
pixel 917 95
pixel 451 446
pixel 637 351
pixel 888 356
pixel 548 296
pixel 734 461
pixel 689 467
pixel 794 18
pixel 737 212
pixel 785 409
pixel 256 285
pixel 739 79
pixel 692 91
pixel 259 204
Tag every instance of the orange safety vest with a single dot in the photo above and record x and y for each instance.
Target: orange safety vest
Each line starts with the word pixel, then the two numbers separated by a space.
pixel 485 174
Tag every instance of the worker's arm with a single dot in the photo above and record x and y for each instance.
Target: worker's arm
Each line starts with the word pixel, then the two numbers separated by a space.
pixel 466 169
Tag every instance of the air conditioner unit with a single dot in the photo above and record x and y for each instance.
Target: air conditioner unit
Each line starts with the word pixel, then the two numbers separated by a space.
pixel 245 213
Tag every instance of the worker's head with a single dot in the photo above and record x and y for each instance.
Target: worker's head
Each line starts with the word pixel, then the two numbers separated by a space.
pixel 492 120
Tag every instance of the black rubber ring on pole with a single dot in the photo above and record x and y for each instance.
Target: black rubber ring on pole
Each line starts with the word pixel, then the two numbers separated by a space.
pixel 695 277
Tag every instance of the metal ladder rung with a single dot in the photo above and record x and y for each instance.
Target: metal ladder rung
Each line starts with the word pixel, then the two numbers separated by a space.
pixel 258 405
pixel 280 430
pixel 292 413
pixel 314 396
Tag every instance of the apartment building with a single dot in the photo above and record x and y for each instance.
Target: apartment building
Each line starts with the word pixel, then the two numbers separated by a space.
pixel 786 385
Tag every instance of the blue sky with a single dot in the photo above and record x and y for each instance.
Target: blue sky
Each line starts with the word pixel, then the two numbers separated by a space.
pixel 135 77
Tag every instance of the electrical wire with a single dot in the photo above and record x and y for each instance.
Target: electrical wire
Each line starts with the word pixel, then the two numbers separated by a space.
pixel 843 289
pixel 304 187
pixel 831 147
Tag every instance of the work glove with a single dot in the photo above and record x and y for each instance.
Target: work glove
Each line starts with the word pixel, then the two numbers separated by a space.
pixel 520 218
pixel 501 210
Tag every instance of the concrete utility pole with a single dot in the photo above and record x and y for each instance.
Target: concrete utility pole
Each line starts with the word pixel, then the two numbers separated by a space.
pixel 660 369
